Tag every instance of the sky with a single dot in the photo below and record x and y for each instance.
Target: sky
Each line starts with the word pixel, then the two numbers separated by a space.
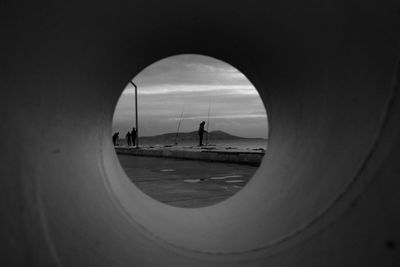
pixel 199 87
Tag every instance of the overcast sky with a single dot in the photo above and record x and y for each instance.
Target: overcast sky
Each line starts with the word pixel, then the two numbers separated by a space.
pixel 191 83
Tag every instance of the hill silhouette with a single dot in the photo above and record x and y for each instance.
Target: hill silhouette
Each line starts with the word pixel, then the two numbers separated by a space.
pixel 192 136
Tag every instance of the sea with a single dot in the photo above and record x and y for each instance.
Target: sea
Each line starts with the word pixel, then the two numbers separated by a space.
pixel 241 144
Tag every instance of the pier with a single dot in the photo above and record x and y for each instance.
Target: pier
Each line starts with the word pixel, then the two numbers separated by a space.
pixel 205 153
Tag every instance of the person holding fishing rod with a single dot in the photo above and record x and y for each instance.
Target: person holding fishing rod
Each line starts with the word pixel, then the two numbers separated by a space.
pixel 201 132
pixel 201 128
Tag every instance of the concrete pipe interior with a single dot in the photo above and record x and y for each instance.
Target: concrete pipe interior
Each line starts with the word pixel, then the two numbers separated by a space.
pixel 327 75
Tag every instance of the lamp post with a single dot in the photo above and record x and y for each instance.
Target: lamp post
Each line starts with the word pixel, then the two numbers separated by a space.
pixel 136 116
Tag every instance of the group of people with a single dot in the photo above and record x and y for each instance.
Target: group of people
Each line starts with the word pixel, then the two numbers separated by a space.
pixel 130 138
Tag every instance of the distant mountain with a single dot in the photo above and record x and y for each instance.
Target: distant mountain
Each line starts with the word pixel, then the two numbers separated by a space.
pixel 192 136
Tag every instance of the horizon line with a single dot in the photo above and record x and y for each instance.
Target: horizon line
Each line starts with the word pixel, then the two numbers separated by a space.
pixel 265 138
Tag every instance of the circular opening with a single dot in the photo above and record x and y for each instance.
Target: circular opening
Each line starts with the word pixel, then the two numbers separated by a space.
pixel 302 183
pixel 190 130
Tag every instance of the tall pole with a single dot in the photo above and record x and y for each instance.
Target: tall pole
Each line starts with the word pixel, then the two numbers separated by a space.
pixel 136 116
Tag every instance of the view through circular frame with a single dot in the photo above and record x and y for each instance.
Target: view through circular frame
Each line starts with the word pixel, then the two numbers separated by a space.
pixel 190 130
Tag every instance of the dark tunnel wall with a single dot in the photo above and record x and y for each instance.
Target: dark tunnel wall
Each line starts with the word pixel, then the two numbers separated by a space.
pixel 326 193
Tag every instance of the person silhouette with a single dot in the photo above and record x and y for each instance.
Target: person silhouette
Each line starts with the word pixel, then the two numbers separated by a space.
pixel 115 138
pixel 128 138
pixel 201 132
pixel 133 136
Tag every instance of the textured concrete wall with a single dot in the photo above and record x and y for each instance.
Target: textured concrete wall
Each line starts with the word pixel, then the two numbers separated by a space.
pixel 326 193
pixel 248 158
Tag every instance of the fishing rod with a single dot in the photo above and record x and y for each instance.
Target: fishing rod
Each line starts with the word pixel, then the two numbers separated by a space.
pixel 179 125
pixel 208 120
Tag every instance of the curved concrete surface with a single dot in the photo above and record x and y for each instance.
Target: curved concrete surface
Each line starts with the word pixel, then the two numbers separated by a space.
pixel 326 193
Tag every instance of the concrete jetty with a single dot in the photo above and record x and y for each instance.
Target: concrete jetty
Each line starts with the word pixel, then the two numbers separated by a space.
pixel 206 153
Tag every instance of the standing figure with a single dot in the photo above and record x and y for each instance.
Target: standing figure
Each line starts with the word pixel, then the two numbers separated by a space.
pixel 128 138
pixel 133 136
pixel 201 132
pixel 115 138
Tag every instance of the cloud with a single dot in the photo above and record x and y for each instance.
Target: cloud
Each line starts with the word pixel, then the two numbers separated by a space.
pixel 235 116
pixel 190 69
pixel 193 88
pixel 196 84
